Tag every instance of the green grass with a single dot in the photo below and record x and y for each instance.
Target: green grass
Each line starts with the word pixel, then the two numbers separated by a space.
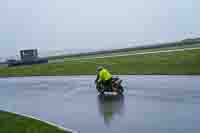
pixel 11 123
pixel 127 52
pixel 172 63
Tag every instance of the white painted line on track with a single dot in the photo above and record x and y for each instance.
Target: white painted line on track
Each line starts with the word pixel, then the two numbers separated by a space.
pixel 143 53
pixel 47 122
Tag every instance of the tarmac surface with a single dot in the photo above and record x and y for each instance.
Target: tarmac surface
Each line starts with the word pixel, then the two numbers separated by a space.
pixel 153 104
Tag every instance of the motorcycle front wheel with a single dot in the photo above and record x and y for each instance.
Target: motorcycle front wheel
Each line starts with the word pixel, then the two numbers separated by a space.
pixel 120 90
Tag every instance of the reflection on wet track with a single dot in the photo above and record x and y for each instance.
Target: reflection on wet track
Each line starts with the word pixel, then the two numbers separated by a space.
pixel 110 106
pixel 150 103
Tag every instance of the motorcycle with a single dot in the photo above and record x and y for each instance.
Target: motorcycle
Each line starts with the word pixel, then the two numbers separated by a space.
pixel 116 86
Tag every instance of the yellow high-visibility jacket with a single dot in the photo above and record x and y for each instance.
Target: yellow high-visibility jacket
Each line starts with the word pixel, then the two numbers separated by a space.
pixel 104 75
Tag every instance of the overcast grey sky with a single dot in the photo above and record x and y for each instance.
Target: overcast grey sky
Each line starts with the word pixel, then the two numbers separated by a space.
pixel 91 24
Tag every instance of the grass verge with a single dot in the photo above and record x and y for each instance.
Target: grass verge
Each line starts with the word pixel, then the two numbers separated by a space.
pixel 172 63
pixel 12 123
pixel 132 52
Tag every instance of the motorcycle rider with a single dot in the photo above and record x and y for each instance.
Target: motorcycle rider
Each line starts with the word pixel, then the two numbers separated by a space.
pixel 104 77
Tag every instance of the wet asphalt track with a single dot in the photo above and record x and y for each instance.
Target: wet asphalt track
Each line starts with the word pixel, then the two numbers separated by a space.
pixel 153 104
